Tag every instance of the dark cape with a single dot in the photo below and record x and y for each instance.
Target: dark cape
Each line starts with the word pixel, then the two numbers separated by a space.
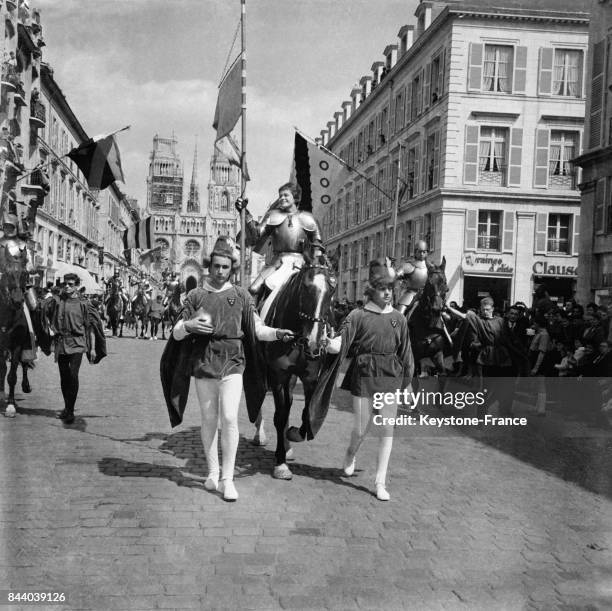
pixel 176 366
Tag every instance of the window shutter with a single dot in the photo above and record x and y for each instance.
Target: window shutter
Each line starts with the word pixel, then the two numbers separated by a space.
pixel 436 170
pixel 470 157
pixel 424 187
pixel 520 70
pixel 599 206
pixel 427 87
pixel 417 156
pixel 546 71
pixel 540 177
pixel 408 103
pixel 471 229
pixel 597 87
pixel 508 228
pixel 475 66
pixel 576 234
pixel 541 230
pixel 516 157
pixel 418 229
pixel 442 80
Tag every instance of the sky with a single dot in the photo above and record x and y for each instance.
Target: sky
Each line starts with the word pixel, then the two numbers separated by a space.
pixel 156 65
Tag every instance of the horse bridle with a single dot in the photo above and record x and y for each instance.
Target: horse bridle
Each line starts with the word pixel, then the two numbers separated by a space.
pixel 302 341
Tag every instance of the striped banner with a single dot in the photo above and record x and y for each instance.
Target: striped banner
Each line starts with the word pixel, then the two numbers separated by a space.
pixel 139 235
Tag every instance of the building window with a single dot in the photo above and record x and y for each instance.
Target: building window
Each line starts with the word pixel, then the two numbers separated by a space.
pixel 567 77
pixel 435 75
pixel 354 255
pixel 563 148
pixel 377 246
pixel 399 112
pixel 192 248
pixel 497 75
pixel 164 246
pixel 417 96
pixel 365 255
pixel 384 119
pixel 347 211
pixel 558 233
pixel 407 239
pixel 412 172
pixel 345 257
pixel 492 156
pixel 432 160
pixel 357 214
pixel 489 229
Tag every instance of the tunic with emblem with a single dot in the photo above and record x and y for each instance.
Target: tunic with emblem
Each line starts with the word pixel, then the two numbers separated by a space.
pixel 222 353
pixel 381 351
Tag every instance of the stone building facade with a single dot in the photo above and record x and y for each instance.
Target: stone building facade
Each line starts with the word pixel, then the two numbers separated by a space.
pixel 480 111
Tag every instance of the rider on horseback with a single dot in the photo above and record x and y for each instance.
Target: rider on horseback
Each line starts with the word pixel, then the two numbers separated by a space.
pixel 292 232
pixel 414 273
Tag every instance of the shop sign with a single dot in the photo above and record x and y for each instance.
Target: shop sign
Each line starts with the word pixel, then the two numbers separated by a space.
pixel 543 268
pixel 487 262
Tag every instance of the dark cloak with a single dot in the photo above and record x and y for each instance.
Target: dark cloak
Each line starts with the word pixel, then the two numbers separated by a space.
pixel 176 366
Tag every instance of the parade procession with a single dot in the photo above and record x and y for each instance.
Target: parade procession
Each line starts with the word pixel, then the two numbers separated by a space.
pixel 369 366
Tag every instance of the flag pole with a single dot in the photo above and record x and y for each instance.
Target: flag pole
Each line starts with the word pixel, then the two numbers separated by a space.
pixel 243 281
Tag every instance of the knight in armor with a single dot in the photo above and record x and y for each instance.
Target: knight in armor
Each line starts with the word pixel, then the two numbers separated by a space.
pixel 413 274
pixel 15 260
pixel 292 232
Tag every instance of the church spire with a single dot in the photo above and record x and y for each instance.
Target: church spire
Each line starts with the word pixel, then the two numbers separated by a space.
pixel 193 201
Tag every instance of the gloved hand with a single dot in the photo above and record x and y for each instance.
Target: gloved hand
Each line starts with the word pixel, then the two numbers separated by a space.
pixel 241 204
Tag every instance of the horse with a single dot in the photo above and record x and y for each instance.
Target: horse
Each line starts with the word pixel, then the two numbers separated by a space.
pixel 139 312
pixel 172 303
pixel 114 307
pixel 428 335
pixel 303 305
pixel 15 339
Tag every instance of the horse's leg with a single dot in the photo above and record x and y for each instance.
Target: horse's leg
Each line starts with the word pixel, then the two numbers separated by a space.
pixel 3 369
pixel 260 438
pixel 281 417
pixel 25 383
pixel 11 378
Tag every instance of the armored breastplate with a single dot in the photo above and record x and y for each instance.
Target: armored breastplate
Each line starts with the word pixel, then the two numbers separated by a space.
pixel 290 235
pixel 418 278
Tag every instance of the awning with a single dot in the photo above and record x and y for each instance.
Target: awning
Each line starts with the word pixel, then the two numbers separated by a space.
pixel 87 280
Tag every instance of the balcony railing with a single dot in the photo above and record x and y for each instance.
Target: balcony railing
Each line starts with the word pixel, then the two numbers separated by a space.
pixel 38 114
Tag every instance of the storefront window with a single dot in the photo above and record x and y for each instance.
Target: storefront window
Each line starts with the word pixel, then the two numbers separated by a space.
pixel 488 229
pixel 558 233
pixel 492 155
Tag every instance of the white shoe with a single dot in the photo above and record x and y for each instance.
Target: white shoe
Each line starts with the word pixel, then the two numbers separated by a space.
pixel 349 466
pixel 381 493
pixel 227 488
pixel 211 483
pixel 10 411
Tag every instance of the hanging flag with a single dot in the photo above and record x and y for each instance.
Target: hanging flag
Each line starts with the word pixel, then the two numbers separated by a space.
pixel 150 255
pixel 319 174
pixel 227 113
pixel 99 160
pixel 139 235
pixel 229 101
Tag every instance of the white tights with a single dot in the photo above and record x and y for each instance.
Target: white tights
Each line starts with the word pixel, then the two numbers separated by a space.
pixel 362 422
pixel 219 402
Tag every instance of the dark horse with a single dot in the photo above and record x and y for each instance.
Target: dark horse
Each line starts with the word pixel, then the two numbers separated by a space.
pixel 114 307
pixel 173 305
pixel 139 312
pixel 428 334
pixel 304 306
pixel 15 340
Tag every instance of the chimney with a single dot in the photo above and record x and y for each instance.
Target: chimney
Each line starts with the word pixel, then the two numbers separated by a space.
pixel 331 128
pixel 366 86
pixel 406 38
pixel 356 98
pixel 324 135
pixel 347 107
pixel 377 68
pixel 390 54
pixel 339 117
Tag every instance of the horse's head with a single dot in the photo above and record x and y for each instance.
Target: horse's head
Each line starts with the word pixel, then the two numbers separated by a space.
pixel 316 287
pixel 435 290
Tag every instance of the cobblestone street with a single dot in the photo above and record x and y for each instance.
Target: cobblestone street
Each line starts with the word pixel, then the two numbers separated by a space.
pixel 112 510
